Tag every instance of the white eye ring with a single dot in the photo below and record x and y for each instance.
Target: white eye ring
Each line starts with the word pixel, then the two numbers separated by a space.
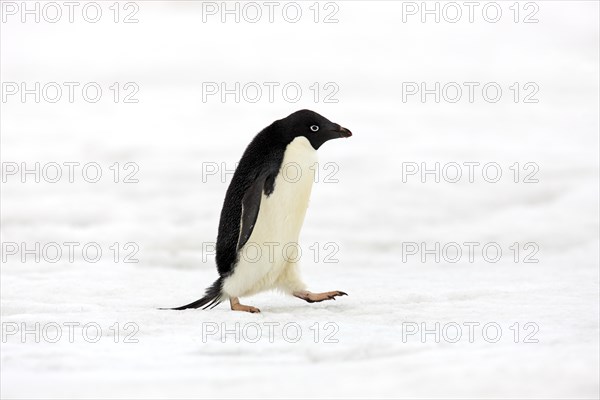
pixel 314 128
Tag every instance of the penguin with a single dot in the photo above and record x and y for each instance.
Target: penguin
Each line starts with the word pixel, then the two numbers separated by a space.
pixel 263 213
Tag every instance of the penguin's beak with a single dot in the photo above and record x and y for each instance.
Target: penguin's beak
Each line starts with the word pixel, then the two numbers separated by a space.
pixel 345 133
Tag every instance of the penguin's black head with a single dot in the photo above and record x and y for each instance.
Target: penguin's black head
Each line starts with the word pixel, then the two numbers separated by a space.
pixel 316 128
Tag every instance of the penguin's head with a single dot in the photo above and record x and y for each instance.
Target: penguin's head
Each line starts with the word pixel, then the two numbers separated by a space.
pixel 315 127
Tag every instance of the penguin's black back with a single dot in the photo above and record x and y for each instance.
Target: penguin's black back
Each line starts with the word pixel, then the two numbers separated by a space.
pixel 264 155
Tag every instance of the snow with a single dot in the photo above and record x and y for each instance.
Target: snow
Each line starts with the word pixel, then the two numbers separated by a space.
pixel 369 215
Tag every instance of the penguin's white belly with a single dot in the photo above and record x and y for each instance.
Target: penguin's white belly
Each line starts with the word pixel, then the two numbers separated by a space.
pixel 273 245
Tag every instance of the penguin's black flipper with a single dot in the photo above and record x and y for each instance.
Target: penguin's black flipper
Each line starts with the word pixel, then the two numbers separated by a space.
pixel 250 208
pixel 212 298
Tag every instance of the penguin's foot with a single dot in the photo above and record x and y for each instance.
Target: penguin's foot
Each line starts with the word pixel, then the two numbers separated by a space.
pixel 236 306
pixel 317 297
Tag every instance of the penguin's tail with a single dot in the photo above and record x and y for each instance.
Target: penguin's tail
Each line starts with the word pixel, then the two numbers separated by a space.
pixel 212 298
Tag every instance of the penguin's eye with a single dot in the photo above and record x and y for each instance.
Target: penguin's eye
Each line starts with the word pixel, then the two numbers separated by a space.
pixel 314 128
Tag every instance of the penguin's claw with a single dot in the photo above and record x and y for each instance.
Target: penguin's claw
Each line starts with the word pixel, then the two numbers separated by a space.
pixel 236 306
pixel 242 307
pixel 318 297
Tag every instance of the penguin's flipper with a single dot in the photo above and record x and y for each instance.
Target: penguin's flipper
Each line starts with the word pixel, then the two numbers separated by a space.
pixel 250 208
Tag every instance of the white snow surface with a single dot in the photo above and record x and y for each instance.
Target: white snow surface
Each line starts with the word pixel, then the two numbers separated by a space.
pixel 368 214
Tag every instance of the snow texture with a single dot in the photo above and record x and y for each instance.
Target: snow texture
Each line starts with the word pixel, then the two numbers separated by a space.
pixel 370 343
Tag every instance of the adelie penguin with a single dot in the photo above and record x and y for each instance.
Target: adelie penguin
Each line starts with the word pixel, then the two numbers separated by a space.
pixel 264 206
